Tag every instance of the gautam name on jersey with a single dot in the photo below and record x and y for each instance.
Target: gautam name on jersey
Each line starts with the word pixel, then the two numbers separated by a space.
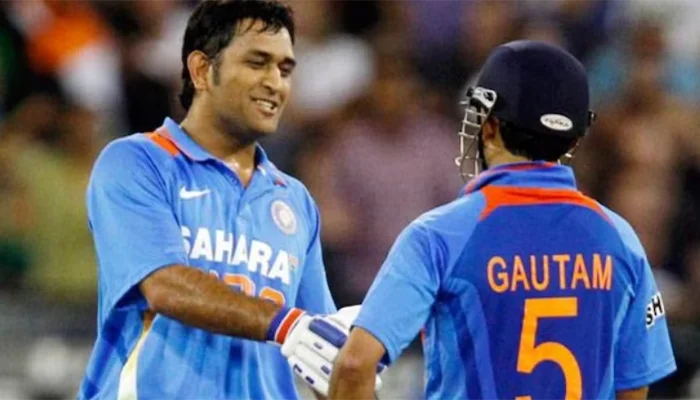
pixel 532 273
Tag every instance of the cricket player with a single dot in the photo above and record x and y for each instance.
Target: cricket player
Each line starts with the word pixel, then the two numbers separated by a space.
pixel 526 288
pixel 207 251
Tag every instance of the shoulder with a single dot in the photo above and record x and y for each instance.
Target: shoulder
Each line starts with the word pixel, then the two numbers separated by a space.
pixel 447 228
pixel 293 184
pixel 461 214
pixel 298 192
pixel 133 152
pixel 132 160
pixel 135 147
pixel 626 233
pixel 435 239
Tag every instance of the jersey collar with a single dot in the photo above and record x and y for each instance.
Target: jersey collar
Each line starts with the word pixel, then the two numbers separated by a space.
pixel 538 174
pixel 172 131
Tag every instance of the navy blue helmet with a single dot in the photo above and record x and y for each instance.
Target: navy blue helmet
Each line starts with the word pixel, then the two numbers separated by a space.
pixel 536 87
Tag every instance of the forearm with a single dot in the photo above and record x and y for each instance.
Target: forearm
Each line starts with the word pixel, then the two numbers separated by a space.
pixel 355 368
pixel 352 384
pixel 196 298
pixel 352 379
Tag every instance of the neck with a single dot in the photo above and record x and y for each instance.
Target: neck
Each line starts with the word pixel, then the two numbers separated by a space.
pixel 505 157
pixel 207 130
pixel 237 153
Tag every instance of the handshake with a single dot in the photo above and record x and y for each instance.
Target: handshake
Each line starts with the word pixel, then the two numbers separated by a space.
pixel 311 343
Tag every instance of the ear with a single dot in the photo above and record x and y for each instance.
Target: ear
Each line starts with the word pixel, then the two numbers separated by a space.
pixel 574 146
pixel 198 65
pixel 490 130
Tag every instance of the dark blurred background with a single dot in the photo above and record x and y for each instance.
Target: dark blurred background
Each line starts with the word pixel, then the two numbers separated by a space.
pixel 371 130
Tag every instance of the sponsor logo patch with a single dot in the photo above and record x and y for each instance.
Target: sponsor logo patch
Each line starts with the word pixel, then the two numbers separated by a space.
pixel 557 122
pixel 655 310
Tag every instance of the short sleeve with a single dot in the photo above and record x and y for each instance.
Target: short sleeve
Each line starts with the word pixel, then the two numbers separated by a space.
pixel 643 354
pixel 314 295
pixel 399 301
pixel 132 222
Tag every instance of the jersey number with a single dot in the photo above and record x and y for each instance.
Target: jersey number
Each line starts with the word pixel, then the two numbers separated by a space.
pixel 529 354
pixel 247 286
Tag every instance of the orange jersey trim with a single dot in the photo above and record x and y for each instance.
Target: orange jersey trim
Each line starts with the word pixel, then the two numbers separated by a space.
pixel 504 196
pixel 164 143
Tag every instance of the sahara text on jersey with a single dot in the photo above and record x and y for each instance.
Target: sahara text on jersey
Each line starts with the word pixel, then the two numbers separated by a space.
pixel 256 255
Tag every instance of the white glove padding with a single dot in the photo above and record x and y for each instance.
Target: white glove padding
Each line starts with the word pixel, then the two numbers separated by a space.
pixel 312 346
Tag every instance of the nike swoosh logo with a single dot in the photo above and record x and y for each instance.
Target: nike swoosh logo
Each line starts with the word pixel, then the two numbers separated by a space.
pixel 192 194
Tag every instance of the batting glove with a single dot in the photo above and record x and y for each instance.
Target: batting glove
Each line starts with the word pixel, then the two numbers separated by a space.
pixel 311 343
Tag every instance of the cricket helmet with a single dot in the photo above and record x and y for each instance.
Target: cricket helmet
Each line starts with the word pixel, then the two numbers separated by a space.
pixel 536 87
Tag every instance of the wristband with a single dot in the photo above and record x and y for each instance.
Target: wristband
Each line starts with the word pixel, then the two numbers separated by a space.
pixel 282 323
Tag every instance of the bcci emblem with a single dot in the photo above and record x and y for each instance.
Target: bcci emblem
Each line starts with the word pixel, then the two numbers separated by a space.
pixel 284 217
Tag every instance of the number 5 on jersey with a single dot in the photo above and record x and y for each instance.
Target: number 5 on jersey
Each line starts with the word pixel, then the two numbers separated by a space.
pixel 529 354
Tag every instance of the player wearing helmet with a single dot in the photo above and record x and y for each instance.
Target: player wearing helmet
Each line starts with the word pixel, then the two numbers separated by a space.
pixel 542 118
pixel 526 288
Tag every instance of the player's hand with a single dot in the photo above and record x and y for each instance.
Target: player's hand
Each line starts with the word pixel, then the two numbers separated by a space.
pixel 312 343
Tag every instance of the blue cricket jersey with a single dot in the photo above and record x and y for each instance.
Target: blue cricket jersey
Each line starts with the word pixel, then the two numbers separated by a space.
pixel 525 287
pixel 160 199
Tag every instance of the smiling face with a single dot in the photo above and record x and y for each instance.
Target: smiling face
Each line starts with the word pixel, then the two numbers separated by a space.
pixel 250 80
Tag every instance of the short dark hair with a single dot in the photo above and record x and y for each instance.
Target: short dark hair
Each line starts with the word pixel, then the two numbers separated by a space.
pixel 535 146
pixel 213 23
